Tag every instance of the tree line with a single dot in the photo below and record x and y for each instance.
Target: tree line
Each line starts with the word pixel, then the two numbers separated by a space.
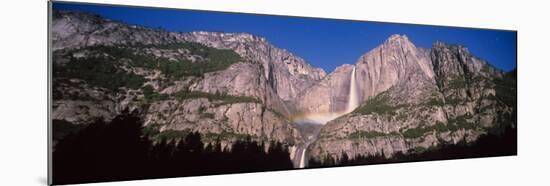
pixel 119 150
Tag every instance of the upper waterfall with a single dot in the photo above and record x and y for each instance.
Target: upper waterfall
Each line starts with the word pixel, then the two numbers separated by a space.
pixel 326 116
pixel 352 98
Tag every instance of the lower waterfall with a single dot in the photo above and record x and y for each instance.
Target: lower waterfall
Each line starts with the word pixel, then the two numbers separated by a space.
pixel 316 120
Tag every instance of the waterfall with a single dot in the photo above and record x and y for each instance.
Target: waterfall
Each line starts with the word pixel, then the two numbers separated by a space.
pixel 322 118
pixel 303 158
pixel 352 99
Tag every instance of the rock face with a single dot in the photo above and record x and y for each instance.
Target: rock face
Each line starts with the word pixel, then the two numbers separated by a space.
pixel 242 79
pixel 328 95
pixel 467 83
pixel 264 120
pixel 414 99
pixel 394 63
pixel 75 29
pixel 249 97
pixel 397 62
pixel 229 85
pixel 286 73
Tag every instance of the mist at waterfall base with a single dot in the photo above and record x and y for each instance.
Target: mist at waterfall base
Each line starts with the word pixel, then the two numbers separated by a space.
pixel 323 117
pixel 310 124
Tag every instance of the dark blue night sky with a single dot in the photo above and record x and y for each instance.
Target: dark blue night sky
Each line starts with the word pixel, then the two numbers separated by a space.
pixel 321 42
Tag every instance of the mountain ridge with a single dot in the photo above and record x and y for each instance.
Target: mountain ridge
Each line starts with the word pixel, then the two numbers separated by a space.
pixel 412 107
pixel 409 97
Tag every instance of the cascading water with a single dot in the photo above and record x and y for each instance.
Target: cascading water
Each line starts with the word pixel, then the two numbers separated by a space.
pixel 352 99
pixel 303 159
pixel 353 103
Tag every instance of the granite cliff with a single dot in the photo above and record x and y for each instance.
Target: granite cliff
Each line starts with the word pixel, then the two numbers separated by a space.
pixel 413 99
pixel 228 86
pixel 224 85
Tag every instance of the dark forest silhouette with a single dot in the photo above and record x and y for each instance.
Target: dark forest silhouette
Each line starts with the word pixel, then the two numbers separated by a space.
pixel 501 143
pixel 118 151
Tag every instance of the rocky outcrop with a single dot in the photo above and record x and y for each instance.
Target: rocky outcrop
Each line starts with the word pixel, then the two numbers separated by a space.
pixel 246 98
pixel 243 79
pixel 226 121
pixel 397 62
pixel 71 29
pixel 286 73
pixel 467 84
pixel 328 95
pixel 414 99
